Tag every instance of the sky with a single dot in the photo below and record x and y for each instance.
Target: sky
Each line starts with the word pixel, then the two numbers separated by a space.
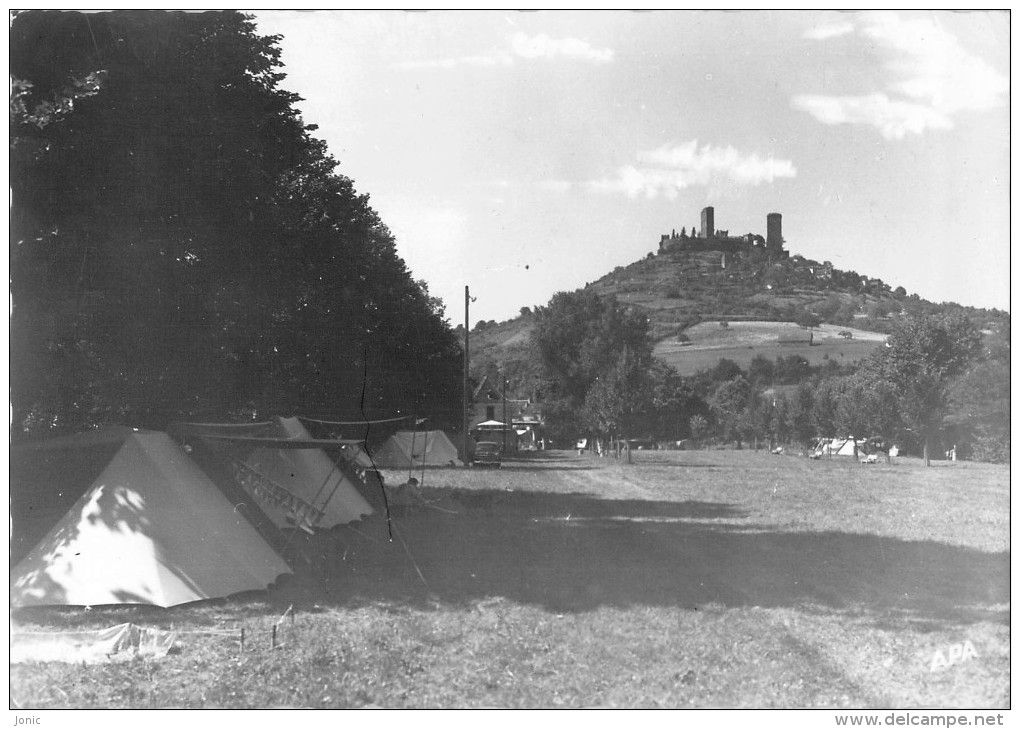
pixel 526 153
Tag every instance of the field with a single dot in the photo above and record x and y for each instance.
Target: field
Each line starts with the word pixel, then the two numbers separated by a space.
pixel 742 341
pixel 682 579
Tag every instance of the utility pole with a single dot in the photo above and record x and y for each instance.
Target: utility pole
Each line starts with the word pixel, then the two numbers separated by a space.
pixel 467 359
pixel 504 414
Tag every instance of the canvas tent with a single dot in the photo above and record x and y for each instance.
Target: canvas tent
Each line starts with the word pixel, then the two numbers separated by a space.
pixel 417 448
pixel 288 473
pixel 148 528
pixel 839 446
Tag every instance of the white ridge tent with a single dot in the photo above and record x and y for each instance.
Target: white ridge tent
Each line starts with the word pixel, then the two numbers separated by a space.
pixel 417 448
pixel 150 528
pixel 287 472
pixel 839 446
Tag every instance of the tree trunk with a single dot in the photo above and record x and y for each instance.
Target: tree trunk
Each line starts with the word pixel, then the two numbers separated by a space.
pixel 927 462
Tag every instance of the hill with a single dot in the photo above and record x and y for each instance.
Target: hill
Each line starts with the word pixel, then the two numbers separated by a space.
pixel 703 306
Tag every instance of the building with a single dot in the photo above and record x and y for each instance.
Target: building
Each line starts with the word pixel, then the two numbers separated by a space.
pixel 514 423
pixel 710 238
pixel 707 223
pixel 774 232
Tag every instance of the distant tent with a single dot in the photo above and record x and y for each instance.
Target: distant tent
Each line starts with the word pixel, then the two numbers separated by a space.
pixel 409 449
pixel 288 473
pixel 149 527
pixel 845 446
pixel 839 446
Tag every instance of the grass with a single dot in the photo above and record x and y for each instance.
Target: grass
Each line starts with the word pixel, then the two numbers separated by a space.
pixel 684 579
pixel 689 361
pixel 742 341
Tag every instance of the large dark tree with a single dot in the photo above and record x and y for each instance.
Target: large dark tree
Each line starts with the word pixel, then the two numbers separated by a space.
pixel 979 399
pixel 920 362
pixel 182 246
pixel 729 405
pixel 592 352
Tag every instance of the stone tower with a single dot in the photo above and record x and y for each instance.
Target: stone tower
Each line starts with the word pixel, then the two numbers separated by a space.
pixel 708 223
pixel 774 234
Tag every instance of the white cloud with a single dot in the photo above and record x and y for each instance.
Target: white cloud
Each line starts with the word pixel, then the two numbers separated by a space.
pixel 933 78
pixel 523 46
pixel 824 32
pixel 934 67
pixel 894 119
pixel 671 168
pixel 542 46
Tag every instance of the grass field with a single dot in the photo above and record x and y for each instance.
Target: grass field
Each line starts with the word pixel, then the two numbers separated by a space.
pixel 742 341
pixel 683 579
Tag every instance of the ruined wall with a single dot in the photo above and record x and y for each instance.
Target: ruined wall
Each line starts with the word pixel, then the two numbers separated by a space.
pixel 710 239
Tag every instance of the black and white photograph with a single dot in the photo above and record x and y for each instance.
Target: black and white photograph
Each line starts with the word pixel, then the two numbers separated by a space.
pixel 500 360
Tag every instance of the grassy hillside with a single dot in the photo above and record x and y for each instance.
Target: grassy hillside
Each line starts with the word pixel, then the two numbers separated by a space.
pixel 686 296
pixel 741 341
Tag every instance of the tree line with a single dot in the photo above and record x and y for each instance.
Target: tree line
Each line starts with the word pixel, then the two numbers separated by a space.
pixel 937 382
pixel 184 247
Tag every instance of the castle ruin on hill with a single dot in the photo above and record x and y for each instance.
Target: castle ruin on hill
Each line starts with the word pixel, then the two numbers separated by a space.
pixel 707 238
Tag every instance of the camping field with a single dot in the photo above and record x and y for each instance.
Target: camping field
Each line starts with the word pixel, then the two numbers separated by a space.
pixel 682 579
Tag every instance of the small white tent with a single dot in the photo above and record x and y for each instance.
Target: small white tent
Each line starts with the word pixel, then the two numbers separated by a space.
pixel 417 448
pixel 839 446
pixel 845 447
pixel 151 528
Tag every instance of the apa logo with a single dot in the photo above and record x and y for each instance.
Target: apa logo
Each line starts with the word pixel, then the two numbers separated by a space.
pixel 958 653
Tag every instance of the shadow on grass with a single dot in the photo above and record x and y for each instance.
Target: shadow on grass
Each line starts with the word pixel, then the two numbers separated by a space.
pixel 572 552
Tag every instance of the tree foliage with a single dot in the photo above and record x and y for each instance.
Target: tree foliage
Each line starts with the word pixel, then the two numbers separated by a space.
pixel 979 401
pixel 729 406
pixel 182 246
pixel 921 358
pixel 617 397
pixel 597 365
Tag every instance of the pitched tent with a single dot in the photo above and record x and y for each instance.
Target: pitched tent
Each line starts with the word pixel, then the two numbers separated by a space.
pixel 149 528
pixel 417 448
pixel 839 446
pixel 845 447
pixel 287 472
pixel 47 477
